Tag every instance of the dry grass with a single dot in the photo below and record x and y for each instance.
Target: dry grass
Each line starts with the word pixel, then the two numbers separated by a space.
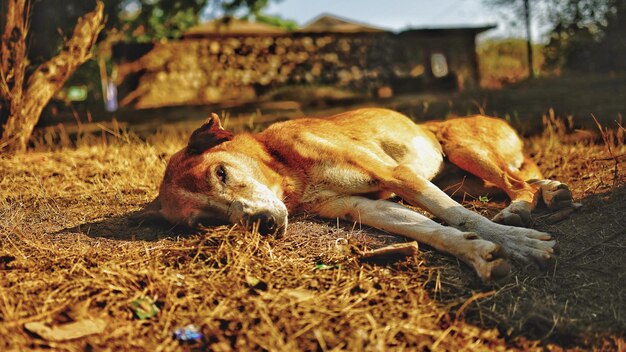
pixel 67 252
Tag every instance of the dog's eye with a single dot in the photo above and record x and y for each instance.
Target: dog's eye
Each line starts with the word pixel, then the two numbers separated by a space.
pixel 221 174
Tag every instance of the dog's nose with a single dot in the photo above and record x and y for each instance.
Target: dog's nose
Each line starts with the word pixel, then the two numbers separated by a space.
pixel 266 222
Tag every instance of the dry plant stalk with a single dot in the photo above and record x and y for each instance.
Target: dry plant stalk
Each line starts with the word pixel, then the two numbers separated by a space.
pixel 26 102
pixel 605 138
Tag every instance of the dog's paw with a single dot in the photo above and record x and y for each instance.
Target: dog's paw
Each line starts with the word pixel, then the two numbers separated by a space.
pixel 555 195
pixel 522 245
pixel 528 246
pixel 486 257
pixel 516 214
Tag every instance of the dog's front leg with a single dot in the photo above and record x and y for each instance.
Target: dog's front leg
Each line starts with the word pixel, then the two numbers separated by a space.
pixel 520 243
pixel 486 257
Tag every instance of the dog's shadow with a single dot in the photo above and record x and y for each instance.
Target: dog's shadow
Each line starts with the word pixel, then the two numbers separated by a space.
pixel 124 228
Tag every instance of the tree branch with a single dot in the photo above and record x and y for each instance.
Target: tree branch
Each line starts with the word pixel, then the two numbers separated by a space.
pixel 49 77
pixel 13 60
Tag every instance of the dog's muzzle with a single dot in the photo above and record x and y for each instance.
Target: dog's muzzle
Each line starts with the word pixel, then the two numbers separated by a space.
pixel 267 223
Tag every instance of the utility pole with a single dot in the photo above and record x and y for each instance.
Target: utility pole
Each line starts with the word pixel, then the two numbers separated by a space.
pixel 529 45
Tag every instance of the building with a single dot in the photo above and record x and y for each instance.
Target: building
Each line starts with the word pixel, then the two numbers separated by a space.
pixel 239 60
pixel 327 23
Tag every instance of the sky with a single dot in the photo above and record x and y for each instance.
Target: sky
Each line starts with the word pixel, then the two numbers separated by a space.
pixel 400 14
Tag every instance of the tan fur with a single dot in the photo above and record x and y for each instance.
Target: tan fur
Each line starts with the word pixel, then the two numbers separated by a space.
pixel 345 166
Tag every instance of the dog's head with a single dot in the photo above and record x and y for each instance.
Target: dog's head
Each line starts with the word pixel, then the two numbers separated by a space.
pixel 215 180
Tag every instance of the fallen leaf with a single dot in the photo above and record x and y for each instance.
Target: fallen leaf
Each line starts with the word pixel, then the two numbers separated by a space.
pixel 144 308
pixel 67 331
pixel 322 266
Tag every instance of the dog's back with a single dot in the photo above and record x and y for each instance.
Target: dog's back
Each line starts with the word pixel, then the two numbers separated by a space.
pixel 365 138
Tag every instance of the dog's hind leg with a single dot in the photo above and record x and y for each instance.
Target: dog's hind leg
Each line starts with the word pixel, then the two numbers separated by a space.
pixel 524 186
pixel 491 150
pixel 487 258
pixel 554 194
pixel 490 167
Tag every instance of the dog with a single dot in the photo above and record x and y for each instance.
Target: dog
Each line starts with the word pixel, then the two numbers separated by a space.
pixel 347 166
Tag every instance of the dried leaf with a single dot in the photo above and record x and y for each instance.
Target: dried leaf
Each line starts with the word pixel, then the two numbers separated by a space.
pixel 67 331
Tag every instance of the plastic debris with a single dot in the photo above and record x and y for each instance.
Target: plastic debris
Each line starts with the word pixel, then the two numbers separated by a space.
pixel 67 331
pixel 187 333
pixel 144 308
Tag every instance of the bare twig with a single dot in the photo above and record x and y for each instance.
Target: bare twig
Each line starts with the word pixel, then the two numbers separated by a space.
pixel 471 300
pixel 613 157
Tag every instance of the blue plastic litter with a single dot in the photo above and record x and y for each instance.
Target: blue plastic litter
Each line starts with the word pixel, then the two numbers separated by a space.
pixel 189 332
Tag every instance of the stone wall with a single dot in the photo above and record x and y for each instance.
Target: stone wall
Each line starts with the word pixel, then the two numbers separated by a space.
pixel 209 70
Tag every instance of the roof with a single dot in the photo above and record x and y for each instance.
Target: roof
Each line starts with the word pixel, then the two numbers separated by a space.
pixel 447 30
pixel 231 27
pixel 327 23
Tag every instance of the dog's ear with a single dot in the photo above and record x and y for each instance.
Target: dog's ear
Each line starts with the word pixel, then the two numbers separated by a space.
pixel 151 213
pixel 210 134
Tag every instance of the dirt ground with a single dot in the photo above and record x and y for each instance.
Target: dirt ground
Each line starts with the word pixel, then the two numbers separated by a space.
pixel 69 254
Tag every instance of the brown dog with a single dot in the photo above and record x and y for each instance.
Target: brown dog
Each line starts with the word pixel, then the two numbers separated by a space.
pixel 345 167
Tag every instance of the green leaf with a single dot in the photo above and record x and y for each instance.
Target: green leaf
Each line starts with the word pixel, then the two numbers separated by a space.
pixel 144 308
pixel 322 266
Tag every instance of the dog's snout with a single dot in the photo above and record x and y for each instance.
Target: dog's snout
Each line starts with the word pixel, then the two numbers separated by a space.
pixel 265 221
